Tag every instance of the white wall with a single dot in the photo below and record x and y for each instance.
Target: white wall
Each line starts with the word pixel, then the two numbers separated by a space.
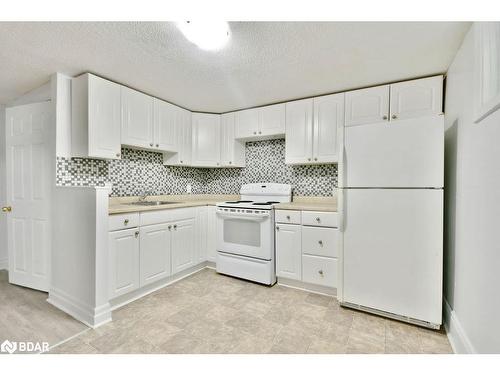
pixel 39 94
pixel 3 220
pixel 472 214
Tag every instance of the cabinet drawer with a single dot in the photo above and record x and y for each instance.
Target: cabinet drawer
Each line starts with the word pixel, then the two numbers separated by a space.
pixel 319 270
pixel 123 221
pixel 287 216
pixel 320 241
pixel 320 219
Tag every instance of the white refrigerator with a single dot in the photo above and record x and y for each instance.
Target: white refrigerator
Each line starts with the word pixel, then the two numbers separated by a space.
pixel 391 193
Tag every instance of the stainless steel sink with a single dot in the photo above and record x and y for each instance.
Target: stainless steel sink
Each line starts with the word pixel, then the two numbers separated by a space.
pixel 152 203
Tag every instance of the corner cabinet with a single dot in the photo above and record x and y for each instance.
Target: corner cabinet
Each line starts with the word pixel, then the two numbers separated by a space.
pixel 260 123
pixel 95 118
pixel 232 151
pixel 206 140
pixel 183 139
pixel 312 128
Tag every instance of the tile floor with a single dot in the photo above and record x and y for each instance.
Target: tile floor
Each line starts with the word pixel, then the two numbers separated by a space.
pixel 25 315
pixel 211 313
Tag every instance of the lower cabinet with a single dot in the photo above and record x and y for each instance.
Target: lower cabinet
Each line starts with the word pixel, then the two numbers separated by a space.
pixel 183 245
pixel 211 234
pixel 288 251
pixel 155 252
pixel 123 262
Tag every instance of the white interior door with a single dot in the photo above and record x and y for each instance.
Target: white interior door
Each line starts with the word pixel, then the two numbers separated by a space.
pixel 29 178
pixel 393 251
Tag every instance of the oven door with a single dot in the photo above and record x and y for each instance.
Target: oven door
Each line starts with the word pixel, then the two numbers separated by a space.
pixel 245 232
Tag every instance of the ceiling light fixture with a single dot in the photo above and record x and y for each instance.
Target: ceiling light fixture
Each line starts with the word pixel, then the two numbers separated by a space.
pixel 208 35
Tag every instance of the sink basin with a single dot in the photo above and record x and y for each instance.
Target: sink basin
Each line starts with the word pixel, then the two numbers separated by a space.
pixel 152 203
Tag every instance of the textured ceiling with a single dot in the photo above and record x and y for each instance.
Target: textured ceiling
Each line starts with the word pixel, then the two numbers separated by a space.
pixel 264 62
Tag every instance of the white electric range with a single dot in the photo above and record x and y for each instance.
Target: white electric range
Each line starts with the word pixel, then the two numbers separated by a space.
pixel 245 232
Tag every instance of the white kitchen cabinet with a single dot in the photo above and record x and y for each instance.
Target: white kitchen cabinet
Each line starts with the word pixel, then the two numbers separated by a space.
pixel 165 126
pixel 206 140
pixel 211 234
pixel 288 251
pixel 183 245
pixel 416 98
pixel 328 121
pixel 137 119
pixel 123 252
pixel 183 130
pixel 299 124
pixel 155 253
pixel 201 233
pixel 367 106
pixel 260 123
pixel 232 151
pixel 319 270
pixel 95 118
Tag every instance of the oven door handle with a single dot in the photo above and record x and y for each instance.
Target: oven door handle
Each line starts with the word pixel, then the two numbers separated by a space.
pixel 245 216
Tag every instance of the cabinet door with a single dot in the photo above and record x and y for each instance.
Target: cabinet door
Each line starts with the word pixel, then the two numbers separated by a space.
pixel 227 139
pixel 155 253
pixel 246 123
pixel 206 140
pixel 165 115
pixel 123 262
pixel 328 119
pixel 183 245
pixel 299 118
pixel 417 98
pixel 288 251
pixel 367 106
pixel 201 233
pixel 272 120
pixel 211 234
pixel 137 119
pixel 104 119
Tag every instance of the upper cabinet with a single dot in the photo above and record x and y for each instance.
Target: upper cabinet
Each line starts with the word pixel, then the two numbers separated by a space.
pixel 399 101
pixel 260 123
pixel 137 119
pixel 420 97
pixel 206 140
pixel 164 130
pixel 367 106
pixel 95 118
pixel 232 152
pixel 183 139
pixel 312 127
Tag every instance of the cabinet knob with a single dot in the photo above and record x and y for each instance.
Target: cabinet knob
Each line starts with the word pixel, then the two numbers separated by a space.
pixel 394 117
pixel 384 117
pixel 7 209
pixel 217 163
pixel 118 155
pixel 175 226
pixel 151 144
pixel 157 145
pixel 169 227
pixel 318 219
pixel 277 228
pixel 136 234
pixel 254 132
pixel 181 161
pixel 315 159
pixel 230 162
pixel 320 242
pixel 288 217
pixel 260 132
pixel 320 272
pixel 125 222
pixel 309 159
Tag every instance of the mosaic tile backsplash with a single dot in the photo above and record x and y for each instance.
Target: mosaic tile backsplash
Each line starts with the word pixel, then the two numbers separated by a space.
pixel 143 171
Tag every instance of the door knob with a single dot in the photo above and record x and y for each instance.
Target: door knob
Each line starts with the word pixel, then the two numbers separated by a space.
pixel 6 209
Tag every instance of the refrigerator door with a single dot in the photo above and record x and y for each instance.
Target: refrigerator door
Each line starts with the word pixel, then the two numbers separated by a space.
pixel 402 153
pixel 392 258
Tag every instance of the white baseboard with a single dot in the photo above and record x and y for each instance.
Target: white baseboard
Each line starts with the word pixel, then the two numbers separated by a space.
pixel 459 341
pixel 4 264
pixel 318 289
pixel 92 317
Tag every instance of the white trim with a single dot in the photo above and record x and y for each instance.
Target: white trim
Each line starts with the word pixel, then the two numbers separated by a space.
pixel 312 288
pixel 69 338
pixel 4 264
pixel 459 341
pixel 93 317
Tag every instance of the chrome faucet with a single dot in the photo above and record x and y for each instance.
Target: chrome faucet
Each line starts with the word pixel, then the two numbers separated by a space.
pixel 143 197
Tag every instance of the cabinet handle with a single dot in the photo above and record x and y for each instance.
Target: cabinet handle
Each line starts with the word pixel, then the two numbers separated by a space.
pixel 260 132
pixel 157 145
pixel 230 162
pixel 394 117
pixel 320 243
pixel 217 163
pixel 136 234
pixel 277 228
pixel 169 227
pixel 175 226
pixel 315 159
pixel 321 272
pixel 118 155
pixel 318 219
pixel 254 132
pixel 384 117
pixel 288 217
pixel 151 144
pixel 309 159
pixel 125 222
pixel 181 161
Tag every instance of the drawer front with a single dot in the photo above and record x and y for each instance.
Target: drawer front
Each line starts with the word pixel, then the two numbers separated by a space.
pixel 123 221
pixel 287 216
pixel 319 270
pixel 320 241
pixel 320 219
pixel 167 215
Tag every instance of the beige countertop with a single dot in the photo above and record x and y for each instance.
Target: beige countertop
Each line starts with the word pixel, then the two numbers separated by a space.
pixel 310 204
pixel 120 205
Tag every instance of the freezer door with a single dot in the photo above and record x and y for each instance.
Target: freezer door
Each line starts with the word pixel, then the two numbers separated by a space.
pixel 393 252
pixel 402 153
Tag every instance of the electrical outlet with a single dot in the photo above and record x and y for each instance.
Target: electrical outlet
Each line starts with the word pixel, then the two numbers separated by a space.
pixel 188 188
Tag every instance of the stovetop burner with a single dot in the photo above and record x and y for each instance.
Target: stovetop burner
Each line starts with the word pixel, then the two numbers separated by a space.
pixel 240 202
